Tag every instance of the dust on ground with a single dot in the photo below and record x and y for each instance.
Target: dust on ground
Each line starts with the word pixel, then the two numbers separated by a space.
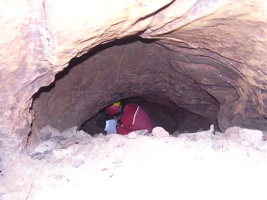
pixel 202 165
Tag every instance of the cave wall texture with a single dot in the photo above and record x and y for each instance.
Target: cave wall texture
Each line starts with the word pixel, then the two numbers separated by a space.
pixel 199 58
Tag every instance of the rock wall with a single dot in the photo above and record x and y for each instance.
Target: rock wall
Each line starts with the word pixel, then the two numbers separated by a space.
pixel 23 69
pixel 214 52
pixel 41 38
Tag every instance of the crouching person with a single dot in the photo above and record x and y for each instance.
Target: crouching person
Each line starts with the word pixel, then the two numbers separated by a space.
pixel 130 117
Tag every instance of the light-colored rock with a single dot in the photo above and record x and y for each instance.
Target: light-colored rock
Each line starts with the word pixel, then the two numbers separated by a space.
pixel 132 135
pixel 160 132
pixel 43 149
pixel 253 137
pixel 135 134
pixel 207 135
pixel 212 132
pixel 64 140
pixel 232 133
pixel 69 132
pixel 47 132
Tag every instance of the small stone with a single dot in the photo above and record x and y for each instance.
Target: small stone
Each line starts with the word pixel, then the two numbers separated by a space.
pixel 232 133
pixel 69 132
pixel 132 135
pixel 211 129
pixel 42 149
pixel 159 132
pixel 78 163
pixel 254 137
pixel 47 132
pixel 216 146
pixel 135 134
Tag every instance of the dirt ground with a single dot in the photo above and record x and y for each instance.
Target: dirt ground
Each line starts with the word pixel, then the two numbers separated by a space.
pixel 230 165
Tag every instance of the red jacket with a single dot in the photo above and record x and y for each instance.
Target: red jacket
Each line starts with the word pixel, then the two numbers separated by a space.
pixel 134 118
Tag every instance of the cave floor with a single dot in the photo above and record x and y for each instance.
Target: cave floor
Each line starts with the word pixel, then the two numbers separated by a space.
pixel 145 167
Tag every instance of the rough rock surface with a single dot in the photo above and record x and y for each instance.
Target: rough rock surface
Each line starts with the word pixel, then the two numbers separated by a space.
pixel 198 165
pixel 212 52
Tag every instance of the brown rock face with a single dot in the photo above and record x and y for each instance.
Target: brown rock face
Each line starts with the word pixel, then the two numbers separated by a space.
pixel 188 63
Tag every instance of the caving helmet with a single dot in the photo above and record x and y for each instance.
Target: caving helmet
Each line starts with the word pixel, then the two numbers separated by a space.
pixel 113 109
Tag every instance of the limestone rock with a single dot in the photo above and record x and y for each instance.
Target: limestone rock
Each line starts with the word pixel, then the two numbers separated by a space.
pixel 253 137
pixel 135 134
pixel 206 135
pixel 63 140
pixel 232 132
pixel 47 132
pixel 43 149
pixel 69 132
pixel 159 132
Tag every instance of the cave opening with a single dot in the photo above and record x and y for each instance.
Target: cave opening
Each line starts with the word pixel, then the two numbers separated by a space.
pixel 173 87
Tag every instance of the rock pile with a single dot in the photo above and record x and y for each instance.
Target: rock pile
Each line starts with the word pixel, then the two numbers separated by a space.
pixel 53 139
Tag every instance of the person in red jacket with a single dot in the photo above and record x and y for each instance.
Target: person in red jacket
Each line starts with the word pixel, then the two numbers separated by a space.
pixel 131 117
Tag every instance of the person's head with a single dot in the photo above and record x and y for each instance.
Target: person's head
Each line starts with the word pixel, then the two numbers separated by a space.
pixel 113 109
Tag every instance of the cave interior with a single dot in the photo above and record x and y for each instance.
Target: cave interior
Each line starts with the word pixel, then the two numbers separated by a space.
pixel 182 89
